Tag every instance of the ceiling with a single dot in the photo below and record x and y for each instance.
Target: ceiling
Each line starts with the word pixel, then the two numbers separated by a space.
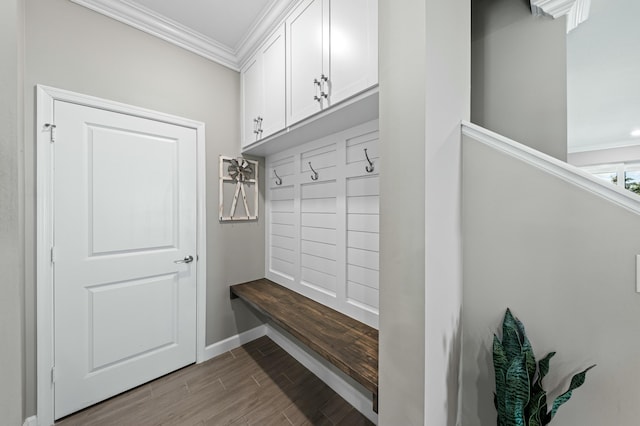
pixel 225 31
pixel 603 83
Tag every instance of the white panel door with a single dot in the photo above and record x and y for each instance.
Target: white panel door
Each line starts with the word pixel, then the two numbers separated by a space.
pixel 274 83
pixel 307 54
pixel 124 213
pixel 252 99
pixel 354 48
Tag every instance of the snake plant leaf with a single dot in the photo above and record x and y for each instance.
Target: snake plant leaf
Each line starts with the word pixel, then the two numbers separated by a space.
pixel 538 405
pixel 576 381
pixel 526 347
pixel 511 336
pixel 500 365
pixel 517 392
pixel 537 408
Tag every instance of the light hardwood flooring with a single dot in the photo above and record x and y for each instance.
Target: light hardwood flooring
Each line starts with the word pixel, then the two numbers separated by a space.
pixel 255 384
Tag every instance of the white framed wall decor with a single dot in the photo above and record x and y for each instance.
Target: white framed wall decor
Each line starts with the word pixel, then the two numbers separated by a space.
pixel 238 189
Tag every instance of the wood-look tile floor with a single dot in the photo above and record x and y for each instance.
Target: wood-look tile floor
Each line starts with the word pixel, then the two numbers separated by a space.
pixel 255 384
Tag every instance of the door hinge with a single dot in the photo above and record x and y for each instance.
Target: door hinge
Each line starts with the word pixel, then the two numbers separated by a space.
pixel 53 375
pixel 52 129
pixel 53 254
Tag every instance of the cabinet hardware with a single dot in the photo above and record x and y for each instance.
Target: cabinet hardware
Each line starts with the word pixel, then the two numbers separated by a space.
pixel 318 87
pixel 314 176
pixel 278 178
pixel 368 168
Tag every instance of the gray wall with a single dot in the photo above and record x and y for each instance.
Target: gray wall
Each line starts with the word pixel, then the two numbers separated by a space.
pixel 519 81
pixel 402 229
pixel 424 93
pixel 74 48
pixel 11 224
pixel 563 260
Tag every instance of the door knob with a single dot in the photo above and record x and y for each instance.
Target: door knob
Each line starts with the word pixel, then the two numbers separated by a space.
pixel 187 259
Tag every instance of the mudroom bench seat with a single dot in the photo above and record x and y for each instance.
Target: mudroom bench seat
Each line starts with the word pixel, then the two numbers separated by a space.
pixel 343 341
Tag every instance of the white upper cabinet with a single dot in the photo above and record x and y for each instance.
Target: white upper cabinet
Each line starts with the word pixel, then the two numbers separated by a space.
pixel 332 53
pixel 353 62
pixel 263 90
pixel 307 58
pixel 325 52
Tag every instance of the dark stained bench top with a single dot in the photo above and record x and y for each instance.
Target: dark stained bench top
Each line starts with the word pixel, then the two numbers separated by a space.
pixel 343 341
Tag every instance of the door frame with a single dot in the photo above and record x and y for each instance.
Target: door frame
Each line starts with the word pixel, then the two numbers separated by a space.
pixel 46 96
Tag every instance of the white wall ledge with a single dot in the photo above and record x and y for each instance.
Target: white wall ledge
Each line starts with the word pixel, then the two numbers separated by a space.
pixel 553 166
pixel 577 11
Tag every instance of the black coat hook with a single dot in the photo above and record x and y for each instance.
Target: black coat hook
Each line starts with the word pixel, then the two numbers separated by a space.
pixel 278 179
pixel 314 176
pixel 368 168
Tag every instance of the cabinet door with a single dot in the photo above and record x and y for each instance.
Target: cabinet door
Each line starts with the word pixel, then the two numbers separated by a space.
pixel 273 82
pixel 251 99
pixel 354 48
pixel 307 52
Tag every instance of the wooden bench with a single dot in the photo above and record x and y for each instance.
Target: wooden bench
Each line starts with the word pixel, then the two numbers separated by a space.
pixel 343 341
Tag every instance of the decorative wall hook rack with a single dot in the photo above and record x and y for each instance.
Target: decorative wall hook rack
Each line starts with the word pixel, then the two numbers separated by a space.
pixel 278 178
pixel 314 176
pixel 368 168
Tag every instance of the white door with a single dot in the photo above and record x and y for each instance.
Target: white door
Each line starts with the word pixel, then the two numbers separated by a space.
pixel 252 99
pixel 307 55
pixel 273 83
pixel 354 48
pixel 124 213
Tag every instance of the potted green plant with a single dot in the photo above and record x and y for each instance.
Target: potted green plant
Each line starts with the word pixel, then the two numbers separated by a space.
pixel 520 398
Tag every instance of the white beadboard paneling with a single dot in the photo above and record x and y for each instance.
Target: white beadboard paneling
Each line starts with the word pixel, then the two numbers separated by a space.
pixel 322 237
pixel 363 276
pixel 319 220
pixel 279 230
pixel 282 218
pixel 318 190
pixel 318 263
pixel 284 166
pixel 283 242
pixel 363 258
pixel 282 206
pixel 318 205
pixel 283 268
pixel 319 279
pixel 364 205
pixel 281 193
pixel 327 251
pixel 327 236
pixel 363 294
pixel 356 146
pixel 363 186
pixel 320 158
pixel 363 240
pixel 363 222
pixel 283 254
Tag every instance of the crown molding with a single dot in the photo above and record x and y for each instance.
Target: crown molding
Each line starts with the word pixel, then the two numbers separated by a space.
pixel 146 20
pixel 264 25
pixel 576 11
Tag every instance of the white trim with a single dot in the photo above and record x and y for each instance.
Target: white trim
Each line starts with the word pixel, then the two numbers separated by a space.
pixel 233 342
pixel 30 421
pixel 133 14
pixel 347 388
pixel 553 166
pixel 44 230
pixel 577 11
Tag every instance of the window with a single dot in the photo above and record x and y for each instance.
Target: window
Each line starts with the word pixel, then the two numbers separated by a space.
pixel 621 174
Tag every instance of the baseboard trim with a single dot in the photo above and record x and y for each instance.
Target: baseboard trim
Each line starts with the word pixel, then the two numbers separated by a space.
pixel 233 342
pixel 343 385
pixel 30 421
